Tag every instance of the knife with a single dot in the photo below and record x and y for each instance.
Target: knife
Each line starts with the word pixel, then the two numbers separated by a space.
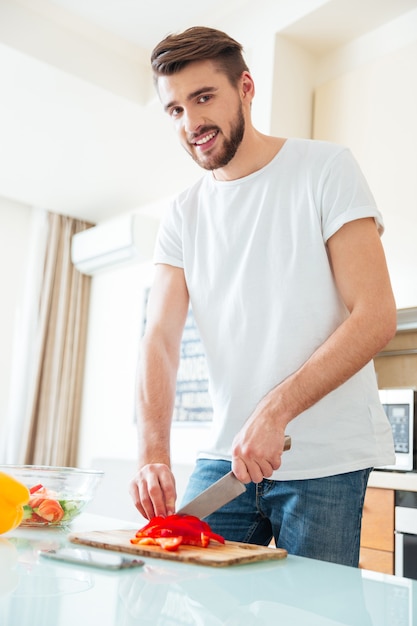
pixel 219 493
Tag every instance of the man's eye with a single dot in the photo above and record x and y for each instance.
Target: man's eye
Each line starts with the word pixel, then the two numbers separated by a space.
pixel 204 98
pixel 175 111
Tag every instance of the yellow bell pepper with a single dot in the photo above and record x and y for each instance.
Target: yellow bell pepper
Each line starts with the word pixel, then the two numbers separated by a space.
pixel 13 496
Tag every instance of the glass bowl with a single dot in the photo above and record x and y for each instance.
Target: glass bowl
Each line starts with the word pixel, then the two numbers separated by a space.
pixel 57 494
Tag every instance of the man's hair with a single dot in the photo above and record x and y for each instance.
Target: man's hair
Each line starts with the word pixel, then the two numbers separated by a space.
pixel 198 43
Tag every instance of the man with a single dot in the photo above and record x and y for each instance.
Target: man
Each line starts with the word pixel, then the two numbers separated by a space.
pixel 278 250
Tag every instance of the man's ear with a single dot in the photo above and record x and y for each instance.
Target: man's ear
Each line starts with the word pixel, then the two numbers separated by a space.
pixel 247 86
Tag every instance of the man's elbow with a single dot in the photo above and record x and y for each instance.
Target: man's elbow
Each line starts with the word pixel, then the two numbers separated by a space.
pixel 387 325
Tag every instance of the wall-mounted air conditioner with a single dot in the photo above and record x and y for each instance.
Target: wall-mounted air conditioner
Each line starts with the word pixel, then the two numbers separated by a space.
pixel 120 240
pixel 407 319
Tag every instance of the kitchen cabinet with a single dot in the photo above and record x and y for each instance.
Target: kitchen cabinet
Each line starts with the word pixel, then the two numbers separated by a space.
pixel 377 536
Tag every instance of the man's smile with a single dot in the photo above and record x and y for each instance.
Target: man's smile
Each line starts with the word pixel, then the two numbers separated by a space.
pixel 205 138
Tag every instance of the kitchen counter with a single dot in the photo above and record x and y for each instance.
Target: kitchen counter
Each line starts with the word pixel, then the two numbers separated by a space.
pixel 400 481
pixel 302 592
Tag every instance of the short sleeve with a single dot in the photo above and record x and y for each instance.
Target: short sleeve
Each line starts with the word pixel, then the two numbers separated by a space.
pixel 169 249
pixel 345 195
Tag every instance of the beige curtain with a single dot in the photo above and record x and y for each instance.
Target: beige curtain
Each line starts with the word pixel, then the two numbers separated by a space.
pixel 53 420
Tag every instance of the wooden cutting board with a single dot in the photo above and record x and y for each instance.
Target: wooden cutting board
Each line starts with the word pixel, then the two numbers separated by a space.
pixel 217 555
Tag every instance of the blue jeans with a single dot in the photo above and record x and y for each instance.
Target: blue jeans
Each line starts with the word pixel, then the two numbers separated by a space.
pixel 318 518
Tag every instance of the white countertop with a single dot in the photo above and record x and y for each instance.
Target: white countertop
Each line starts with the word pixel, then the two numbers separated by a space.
pixel 401 481
pixel 302 592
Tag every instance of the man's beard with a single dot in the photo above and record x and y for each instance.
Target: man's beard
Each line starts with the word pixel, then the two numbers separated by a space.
pixel 230 146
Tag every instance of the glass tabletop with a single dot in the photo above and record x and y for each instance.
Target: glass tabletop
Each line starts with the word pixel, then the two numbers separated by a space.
pixel 295 591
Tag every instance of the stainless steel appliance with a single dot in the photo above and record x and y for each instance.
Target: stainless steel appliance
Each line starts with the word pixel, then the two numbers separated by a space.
pixel 400 407
pixel 406 534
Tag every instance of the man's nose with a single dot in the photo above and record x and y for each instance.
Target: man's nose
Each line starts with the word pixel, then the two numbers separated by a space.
pixel 193 120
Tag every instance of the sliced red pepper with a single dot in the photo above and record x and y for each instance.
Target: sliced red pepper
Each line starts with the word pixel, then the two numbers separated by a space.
pixel 173 523
pixel 201 540
pixel 143 541
pixel 35 488
pixel 171 544
pixel 167 543
pixel 189 528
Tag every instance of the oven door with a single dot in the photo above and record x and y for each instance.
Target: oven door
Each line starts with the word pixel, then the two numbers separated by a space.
pixel 406 541
pixel 406 555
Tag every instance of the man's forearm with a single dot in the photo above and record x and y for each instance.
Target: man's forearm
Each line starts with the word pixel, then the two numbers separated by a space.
pixel 156 396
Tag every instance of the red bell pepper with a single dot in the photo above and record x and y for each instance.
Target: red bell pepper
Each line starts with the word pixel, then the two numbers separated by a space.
pixel 180 529
pixel 35 488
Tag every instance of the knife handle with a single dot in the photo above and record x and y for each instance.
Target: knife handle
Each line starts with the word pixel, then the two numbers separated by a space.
pixel 287 442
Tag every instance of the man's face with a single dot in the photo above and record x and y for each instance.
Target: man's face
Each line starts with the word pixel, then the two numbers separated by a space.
pixel 206 111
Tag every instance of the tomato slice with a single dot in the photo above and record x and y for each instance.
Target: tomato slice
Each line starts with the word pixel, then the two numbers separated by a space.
pixel 50 510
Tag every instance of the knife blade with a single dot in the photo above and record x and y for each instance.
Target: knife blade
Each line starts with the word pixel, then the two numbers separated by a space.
pixel 219 493
pixel 224 490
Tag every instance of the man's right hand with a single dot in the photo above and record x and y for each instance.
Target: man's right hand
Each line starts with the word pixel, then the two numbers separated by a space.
pixel 153 490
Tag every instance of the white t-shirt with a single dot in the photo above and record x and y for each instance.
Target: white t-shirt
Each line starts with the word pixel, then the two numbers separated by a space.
pixel 263 296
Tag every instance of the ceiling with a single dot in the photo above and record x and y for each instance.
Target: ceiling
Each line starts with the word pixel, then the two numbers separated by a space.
pixel 144 23
pixel 82 131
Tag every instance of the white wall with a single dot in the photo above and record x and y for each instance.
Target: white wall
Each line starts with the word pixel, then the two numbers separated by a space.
pixel 75 148
pixel 293 91
pixel 257 29
pixel 115 325
pixel 15 223
pixel 370 105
